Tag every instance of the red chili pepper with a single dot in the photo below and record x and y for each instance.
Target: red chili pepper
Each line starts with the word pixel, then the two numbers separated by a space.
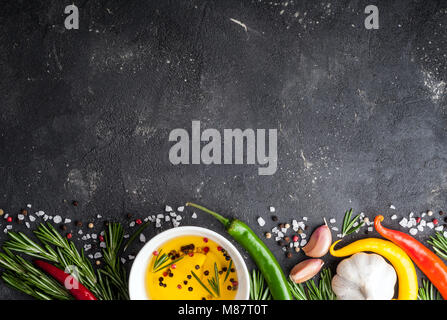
pixel 78 291
pixel 429 263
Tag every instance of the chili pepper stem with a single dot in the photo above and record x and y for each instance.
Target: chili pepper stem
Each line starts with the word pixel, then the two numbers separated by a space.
pixel 226 222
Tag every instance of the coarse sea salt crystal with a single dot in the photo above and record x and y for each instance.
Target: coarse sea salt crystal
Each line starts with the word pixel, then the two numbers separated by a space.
pixel 423 223
pixel 90 256
pixel 275 230
pixel 27 224
pixel 168 208
pixel 175 224
pixel 272 209
pixel 296 244
pixel 431 225
pixel 131 257
pixel 305 218
pixel 97 255
pixel 332 220
pixel 370 229
pixel 66 220
pixel 123 260
pixel 303 236
pixel 445 234
pixel 167 218
pixel 178 218
pixel 132 223
pixel 284 230
pixel 80 232
pixel 87 247
pixel 57 219
pixel 393 217
pixel 439 228
pixel 180 209
pixel 339 235
pixel 157 225
pixel 126 236
pixel 160 216
pixel 29 205
pixel 102 244
pixel 194 215
pixel 261 221
pixel 20 217
pixel 94 236
pixel 99 216
pixel 413 231
pixel 277 238
pixel 280 234
pixel 420 228
pixel 403 222
pixel 303 242
pixel 172 214
pixel 392 207
pixel 334 228
pixel 40 213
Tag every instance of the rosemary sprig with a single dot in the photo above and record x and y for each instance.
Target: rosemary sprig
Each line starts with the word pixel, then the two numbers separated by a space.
pixel 350 225
pixel 214 281
pixel 23 276
pixel 113 269
pixel 439 243
pixel 162 261
pixel 106 284
pixel 230 265
pixel 297 290
pixel 322 291
pixel 201 283
pixel 428 291
pixel 258 288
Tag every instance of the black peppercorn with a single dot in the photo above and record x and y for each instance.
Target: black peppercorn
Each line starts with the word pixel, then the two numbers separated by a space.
pixel 206 272
pixel 197 267
pixel 274 218
pixel 190 289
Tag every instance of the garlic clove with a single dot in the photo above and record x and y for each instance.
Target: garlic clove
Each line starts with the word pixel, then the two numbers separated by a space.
pixel 319 242
pixel 306 270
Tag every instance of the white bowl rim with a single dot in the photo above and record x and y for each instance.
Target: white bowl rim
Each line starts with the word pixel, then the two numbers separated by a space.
pixel 137 276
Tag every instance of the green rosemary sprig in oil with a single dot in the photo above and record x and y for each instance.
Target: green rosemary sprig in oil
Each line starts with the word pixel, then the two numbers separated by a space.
pixel 351 225
pixel 214 281
pixel 228 270
pixel 201 283
pixel 163 261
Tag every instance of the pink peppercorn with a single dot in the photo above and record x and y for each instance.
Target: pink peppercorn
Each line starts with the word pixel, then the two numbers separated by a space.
pixel 295 238
pixel 418 219
pixel 138 221
pixel 155 253
pixel 205 239
pixel 206 249
pixel 179 286
pixel 69 235
pixel 435 221
pixel 9 219
pixel 101 238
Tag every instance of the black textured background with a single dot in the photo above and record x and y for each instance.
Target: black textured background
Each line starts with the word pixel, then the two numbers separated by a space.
pixel 85 114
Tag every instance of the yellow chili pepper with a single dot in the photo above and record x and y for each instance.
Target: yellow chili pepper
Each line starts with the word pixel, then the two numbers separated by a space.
pixel 406 273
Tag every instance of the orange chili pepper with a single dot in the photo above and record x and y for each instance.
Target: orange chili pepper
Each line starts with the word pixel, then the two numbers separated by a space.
pixel 429 263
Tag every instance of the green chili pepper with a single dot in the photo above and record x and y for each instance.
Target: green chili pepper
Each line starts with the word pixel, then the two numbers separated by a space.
pixel 262 256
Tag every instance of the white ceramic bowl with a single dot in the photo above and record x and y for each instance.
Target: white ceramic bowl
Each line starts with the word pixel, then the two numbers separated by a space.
pixel 137 277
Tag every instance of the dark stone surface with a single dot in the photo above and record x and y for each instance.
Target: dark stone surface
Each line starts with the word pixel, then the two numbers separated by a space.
pixel 85 114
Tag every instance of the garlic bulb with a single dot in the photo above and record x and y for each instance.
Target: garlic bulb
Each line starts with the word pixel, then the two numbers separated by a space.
pixel 364 277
